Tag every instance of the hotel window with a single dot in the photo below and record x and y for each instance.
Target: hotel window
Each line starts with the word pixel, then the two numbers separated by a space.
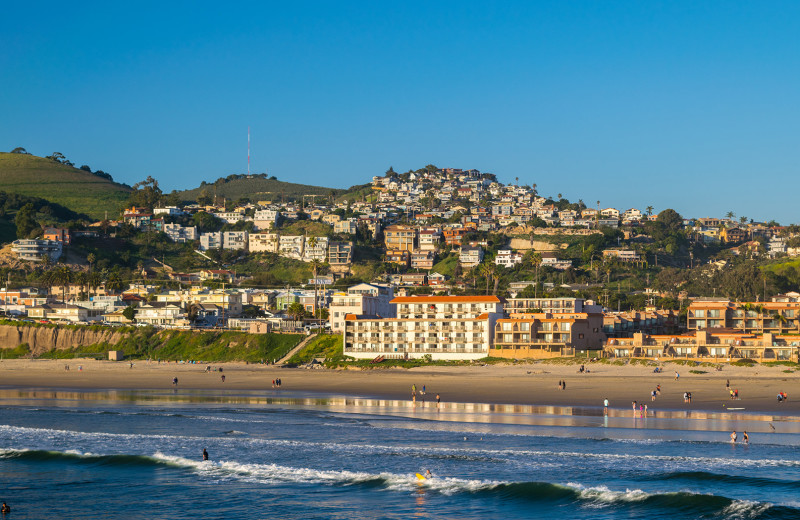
pixel 524 337
pixel 525 326
pixel 508 338
pixel 713 313
pixel 506 326
pixel 700 314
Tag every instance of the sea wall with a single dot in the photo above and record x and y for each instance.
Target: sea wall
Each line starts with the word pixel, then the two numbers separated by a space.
pixel 42 339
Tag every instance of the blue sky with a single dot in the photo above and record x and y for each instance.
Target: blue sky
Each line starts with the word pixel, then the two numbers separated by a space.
pixel 689 105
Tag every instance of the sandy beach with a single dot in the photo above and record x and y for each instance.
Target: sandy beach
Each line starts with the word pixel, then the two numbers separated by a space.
pixel 534 384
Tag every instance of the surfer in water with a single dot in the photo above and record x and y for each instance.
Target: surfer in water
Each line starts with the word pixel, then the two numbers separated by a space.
pixel 205 454
pixel 428 474
pixel 5 509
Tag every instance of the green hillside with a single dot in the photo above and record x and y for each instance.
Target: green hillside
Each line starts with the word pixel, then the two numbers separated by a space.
pixel 78 190
pixel 256 187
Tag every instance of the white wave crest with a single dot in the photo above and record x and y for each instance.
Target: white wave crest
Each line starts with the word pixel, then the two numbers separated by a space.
pixel 276 474
pixel 602 495
pixel 744 509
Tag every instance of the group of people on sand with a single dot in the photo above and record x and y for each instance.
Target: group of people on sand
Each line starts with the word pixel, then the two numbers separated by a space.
pixel 422 394
pixel 276 383
pixel 642 409
pixel 562 385
pixel 782 397
pixel 655 392
pixel 735 437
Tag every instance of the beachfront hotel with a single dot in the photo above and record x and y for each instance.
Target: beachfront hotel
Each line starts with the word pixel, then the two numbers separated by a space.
pixel 779 316
pixel 707 345
pixel 547 335
pixel 443 327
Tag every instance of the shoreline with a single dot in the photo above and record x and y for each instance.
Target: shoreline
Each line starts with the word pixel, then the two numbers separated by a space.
pixel 521 384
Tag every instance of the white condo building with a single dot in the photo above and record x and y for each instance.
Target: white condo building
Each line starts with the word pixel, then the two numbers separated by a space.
pixel 365 298
pixel 444 327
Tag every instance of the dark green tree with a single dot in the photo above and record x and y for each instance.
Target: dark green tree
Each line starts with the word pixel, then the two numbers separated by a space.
pixel 26 220
pixel 130 312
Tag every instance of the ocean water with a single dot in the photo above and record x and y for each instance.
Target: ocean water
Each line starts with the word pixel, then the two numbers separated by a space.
pixel 93 455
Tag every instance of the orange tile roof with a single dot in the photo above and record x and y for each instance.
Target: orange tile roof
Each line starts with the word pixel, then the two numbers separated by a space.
pixel 446 299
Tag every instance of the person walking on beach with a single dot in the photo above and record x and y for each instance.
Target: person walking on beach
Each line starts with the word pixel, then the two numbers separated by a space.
pixel 605 406
pixel 563 385
pixel 734 436
pixel 634 408
pixel 222 377
pixel 677 375
pixel 658 389
pixel 205 454
pixel 175 381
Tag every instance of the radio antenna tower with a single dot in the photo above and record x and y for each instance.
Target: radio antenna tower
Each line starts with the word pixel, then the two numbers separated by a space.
pixel 248 150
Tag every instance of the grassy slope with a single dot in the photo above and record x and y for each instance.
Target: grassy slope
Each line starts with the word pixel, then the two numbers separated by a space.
pixel 328 346
pixel 75 189
pixel 257 189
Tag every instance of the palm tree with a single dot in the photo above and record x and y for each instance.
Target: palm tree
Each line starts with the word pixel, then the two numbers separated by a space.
pixel 94 281
pixel 760 310
pixel 781 319
pixel 316 265
pixel 488 271
pixel 534 189
pixel 62 275
pixel 82 279
pixel 114 282
pixel 729 215
pixel 649 211
pixel 296 311
pixel 536 261
pixel 745 308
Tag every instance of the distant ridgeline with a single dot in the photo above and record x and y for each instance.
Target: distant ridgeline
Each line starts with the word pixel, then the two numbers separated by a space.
pixel 255 186
pixel 56 179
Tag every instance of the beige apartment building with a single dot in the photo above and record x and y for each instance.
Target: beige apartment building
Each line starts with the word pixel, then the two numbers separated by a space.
pixel 400 237
pixel 442 327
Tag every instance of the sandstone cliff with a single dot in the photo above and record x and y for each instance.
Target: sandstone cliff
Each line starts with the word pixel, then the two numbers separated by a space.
pixel 44 339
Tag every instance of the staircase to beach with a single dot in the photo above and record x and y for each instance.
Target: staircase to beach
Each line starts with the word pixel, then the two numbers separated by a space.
pixel 296 349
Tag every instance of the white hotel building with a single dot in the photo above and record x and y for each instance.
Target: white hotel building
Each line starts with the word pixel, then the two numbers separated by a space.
pixel 446 327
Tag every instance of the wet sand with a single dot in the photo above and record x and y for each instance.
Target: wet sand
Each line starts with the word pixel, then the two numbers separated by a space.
pixel 530 384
